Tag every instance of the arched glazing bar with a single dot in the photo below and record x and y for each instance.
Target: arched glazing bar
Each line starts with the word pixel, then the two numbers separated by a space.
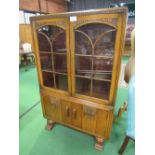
pixel 51 36
pixel 100 66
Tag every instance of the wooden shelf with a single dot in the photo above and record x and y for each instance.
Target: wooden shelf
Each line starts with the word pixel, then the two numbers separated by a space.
pixel 102 79
pixel 45 70
pixel 54 53
pixel 61 73
pixel 45 52
pixel 94 71
pixel 94 56
pixel 93 78
pixel 85 77
pixel 50 71
pixel 58 53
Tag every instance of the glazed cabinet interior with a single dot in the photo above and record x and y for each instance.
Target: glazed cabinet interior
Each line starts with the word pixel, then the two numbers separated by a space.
pixel 78 57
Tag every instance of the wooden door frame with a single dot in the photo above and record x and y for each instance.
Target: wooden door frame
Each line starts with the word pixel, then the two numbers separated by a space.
pixel 64 24
pixel 85 19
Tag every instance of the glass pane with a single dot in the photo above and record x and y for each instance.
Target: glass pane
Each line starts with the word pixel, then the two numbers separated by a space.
pixel 59 42
pixel 83 65
pixel 83 86
pixel 102 65
pixel 93 30
pixel 60 62
pixel 61 82
pixel 94 50
pixel 101 89
pixel 82 44
pixel 46 61
pixel 50 31
pixel 48 79
pixel 103 75
pixel 44 45
pixel 53 58
pixel 51 38
pixel 105 43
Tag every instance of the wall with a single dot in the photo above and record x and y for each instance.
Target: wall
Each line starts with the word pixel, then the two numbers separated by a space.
pixel 94 4
pixel 29 5
pixel 76 5
pixel 25 33
pixel 56 6
pixel 43 6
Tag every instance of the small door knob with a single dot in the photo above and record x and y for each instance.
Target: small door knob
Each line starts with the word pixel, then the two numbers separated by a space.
pixel 74 113
pixel 67 111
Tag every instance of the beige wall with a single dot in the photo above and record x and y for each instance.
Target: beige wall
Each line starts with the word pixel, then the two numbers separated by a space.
pixel 25 33
pixel 44 6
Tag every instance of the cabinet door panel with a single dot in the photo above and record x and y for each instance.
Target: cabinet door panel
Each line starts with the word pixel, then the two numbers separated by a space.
pixel 101 89
pixel 61 82
pixel 93 54
pixel 48 79
pixel 83 86
pixel 66 111
pixel 89 119
pixel 52 107
pixel 53 54
pixel 103 122
pixel 76 115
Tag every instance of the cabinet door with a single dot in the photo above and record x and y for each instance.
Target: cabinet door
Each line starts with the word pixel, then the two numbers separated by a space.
pixel 104 121
pixel 76 115
pixel 53 56
pixel 101 122
pixel 52 107
pixel 93 40
pixel 89 119
pixel 66 111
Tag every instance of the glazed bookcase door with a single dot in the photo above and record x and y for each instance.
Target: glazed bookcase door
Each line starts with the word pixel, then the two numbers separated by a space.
pixel 93 53
pixel 54 56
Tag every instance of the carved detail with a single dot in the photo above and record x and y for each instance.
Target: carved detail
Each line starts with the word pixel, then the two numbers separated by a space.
pixel 54 101
pixel 89 111
pixel 111 21
pixel 60 24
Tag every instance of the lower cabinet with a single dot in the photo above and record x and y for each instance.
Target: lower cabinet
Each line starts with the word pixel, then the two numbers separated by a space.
pixel 89 119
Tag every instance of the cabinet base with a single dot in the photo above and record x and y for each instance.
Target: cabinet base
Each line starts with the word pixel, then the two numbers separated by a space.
pixel 49 125
pixel 99 143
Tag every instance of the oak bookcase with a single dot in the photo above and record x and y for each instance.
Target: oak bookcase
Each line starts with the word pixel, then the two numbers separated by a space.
pixel 78 57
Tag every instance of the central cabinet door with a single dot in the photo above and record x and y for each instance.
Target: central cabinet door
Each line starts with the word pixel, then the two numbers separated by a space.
pixel 77 115
pixel 54 54
pixel 92 49
pixel 72 113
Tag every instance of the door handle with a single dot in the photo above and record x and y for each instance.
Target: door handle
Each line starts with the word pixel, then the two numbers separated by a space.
pixel 74 113
pixel 67 111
